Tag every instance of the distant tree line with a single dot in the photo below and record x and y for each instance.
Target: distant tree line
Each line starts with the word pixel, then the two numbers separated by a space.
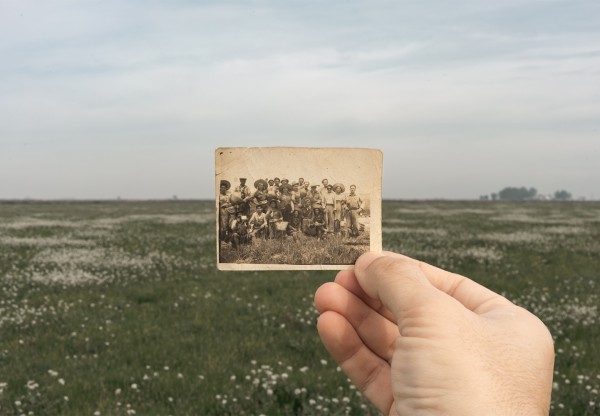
pixel 512 193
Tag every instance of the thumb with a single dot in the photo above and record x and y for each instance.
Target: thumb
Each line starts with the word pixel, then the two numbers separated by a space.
pixel 398 283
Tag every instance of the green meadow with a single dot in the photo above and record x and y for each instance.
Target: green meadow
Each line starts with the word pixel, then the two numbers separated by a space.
pixel 117 308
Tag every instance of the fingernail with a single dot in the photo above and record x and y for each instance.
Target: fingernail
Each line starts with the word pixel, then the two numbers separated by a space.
pixel 366 259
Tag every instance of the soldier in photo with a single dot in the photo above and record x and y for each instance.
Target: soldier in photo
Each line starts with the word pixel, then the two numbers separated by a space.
pixel 296 196
pixel 354 204
pixel 286 203
pixel 301 184
pixel 273 189
pixel 226 209
pixel 339 207
pixel 306 212
pixel 323 190
pixel 260 197
pixel 319 221
pixel 245 195
pixel 239 231
pixel 274 219
pixel 328 199
pixel 258 223
pixel 294 228
pixel 303 189
pixel 314 195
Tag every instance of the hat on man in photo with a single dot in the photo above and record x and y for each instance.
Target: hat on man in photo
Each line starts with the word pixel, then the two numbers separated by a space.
pixel 259 181
pixel 340 185
pixel 242 180
pixel 225 183
pixel 285 186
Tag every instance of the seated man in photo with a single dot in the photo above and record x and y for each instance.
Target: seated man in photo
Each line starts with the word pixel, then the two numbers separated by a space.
pixel 294 227
pixel 319 222
pixel 274 218
pixel 258 223
pixel 239 231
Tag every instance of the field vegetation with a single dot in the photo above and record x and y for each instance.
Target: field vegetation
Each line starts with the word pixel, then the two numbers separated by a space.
pixel 301 249
pixel 116 308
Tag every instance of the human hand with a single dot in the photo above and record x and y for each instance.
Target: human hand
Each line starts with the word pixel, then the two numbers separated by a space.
pixel 416 339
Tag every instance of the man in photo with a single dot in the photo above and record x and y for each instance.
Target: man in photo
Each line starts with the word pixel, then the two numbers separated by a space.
pixel 245 195
pixel 323 190
pixel 258 223
pixel 314 195
pixel 339 206
pixel 328 200
pixel 354 204
pixel 274 218
pixel 226 209
pixel 319 221
pixel 239 231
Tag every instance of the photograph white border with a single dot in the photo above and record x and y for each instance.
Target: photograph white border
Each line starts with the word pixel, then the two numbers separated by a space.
pixel 361 165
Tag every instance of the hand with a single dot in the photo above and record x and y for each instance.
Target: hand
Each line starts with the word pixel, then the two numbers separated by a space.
pixel 416 339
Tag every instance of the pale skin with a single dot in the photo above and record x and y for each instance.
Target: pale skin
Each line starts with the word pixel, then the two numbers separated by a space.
pixel 418 340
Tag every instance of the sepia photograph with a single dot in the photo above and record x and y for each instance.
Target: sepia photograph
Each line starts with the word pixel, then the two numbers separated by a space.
pixel 282 208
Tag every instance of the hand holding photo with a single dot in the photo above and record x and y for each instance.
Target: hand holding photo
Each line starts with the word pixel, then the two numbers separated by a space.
pixel 283 208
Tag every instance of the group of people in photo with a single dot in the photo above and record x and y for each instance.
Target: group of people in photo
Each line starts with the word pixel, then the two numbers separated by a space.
pixel 276 208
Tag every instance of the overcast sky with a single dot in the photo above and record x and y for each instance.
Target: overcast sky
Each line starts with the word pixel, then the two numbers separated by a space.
pixel 100 99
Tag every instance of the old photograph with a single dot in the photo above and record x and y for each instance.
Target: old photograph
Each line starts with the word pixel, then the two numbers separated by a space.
pixel 296 208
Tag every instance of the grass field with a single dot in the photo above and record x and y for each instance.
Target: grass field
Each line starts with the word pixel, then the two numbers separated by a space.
pixel 301 249
pixel 116 308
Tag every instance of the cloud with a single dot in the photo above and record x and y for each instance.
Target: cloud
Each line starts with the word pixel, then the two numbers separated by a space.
pixel 449 83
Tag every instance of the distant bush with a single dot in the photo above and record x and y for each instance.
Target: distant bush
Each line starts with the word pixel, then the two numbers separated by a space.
pixel 562 195
pixel 517 194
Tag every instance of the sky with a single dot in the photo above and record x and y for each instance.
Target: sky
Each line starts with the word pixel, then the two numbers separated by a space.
pixel 106 99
